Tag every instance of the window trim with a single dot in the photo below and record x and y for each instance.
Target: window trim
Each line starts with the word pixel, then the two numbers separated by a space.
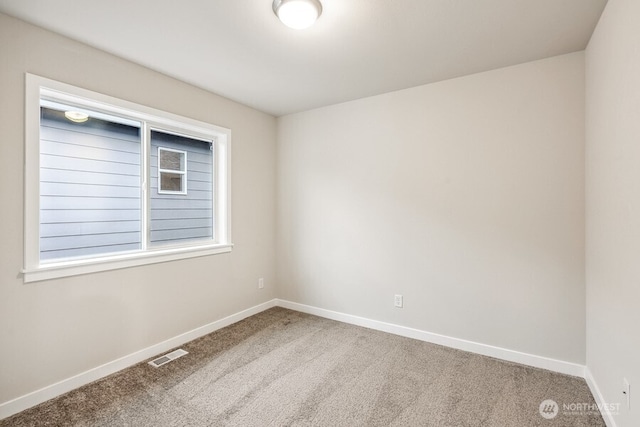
pixel 37 87
pixel 182 172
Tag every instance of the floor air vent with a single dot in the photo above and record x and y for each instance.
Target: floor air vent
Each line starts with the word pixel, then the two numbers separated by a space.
pixel 167 358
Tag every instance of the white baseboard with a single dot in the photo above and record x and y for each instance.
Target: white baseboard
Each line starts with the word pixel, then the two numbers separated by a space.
pixel 39 396
pixel 554 365
pixel 599 398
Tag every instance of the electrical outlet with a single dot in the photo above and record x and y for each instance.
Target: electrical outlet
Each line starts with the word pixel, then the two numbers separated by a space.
pixel 626 391
pixel 397 301
pixel 261 283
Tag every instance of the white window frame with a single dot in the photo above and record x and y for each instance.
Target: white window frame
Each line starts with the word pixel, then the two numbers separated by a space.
pixel 178 172
pixel 37 87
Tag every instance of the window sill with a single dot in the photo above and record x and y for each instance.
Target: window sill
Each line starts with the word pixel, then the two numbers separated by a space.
pixel 78 267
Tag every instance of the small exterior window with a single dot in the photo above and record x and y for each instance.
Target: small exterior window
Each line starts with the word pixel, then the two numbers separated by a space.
pixel 172 171
pixel 106 183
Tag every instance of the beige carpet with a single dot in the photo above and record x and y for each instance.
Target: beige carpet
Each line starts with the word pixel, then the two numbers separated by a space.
pixel 282 368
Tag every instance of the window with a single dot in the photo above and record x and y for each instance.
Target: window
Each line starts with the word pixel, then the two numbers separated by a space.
pixel 111 184
pixel 172 168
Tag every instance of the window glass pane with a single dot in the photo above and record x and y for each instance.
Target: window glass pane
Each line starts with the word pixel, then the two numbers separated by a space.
pixel 181 218
pixel 171 181
pixel 172 160
pixel 90 192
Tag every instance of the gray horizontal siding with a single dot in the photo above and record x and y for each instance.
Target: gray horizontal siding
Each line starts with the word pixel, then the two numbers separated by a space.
pixel 89 177
pixel 89 190
pixel 89 203
pixel 180 234
pixel 87 251
pixel 158 214
pixel 61 229
pixel 178 204
pixel 76 151
pixel 117 139
pixel 88 165
pixel 181 218
pixel 79 216
pixel 171 224
pixel 90 198
pixel 48 244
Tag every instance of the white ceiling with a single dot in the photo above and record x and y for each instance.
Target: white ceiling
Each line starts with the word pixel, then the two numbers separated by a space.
pixel 358 48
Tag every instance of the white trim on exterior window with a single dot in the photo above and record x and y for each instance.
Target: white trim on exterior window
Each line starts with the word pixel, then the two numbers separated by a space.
pixel 52 92
pixel 182 172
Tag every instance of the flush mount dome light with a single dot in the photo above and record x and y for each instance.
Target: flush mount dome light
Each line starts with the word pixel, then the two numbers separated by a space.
pixel 76 116
pixel 297 14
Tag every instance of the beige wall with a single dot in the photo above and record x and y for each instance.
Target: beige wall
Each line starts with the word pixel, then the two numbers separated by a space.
pixel 613 205
pixel 52 330
pixel 465 196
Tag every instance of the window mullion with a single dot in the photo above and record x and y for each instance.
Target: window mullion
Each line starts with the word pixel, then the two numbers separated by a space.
pixel 145 178
pixel 215 202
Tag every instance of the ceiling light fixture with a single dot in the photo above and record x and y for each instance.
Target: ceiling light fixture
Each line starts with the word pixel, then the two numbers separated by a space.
pixel 297 14
pixel 76 116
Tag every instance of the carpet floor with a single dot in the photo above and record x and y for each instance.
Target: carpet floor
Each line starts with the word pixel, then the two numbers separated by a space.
pixel 285 368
